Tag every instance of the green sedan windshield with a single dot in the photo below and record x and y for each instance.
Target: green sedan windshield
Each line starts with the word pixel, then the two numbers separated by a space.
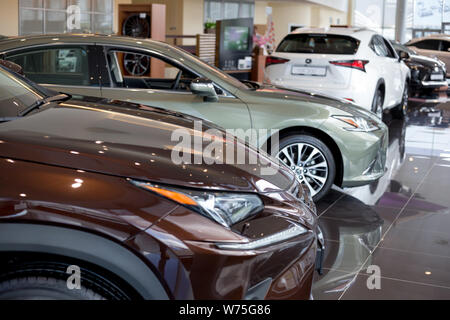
pixel 232 81
pixel 15 94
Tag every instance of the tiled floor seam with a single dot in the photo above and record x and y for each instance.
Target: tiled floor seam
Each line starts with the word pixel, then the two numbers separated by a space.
pixel 413 282
pixel 342 195
pixel 416 252
pixel 387 230
pixel 389 278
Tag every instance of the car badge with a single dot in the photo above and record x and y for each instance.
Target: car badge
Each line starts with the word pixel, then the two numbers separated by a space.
pixel 308 61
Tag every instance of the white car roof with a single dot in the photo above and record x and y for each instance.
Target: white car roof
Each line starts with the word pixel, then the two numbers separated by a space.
pixel 346 31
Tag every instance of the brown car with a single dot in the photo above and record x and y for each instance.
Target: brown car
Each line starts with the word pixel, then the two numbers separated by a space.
pixel 93 207
pixel 436 46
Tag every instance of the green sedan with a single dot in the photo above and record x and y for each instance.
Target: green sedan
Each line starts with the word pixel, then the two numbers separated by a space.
pixel 324 140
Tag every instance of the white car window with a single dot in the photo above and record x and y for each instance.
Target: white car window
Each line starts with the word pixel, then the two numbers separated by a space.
pixel 318 43
pixel 379 47
pixel 390 49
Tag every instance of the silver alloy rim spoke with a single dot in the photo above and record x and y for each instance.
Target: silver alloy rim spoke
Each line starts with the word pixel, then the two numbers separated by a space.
pixel 311 155
pixel 311 189
pixel 318 166
pixel 312 171
pixel 288 156
pixel 300 152
pixel 321 179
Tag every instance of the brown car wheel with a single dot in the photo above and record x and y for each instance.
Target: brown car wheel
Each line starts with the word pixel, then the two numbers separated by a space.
pixel 49 281
pixel 43 288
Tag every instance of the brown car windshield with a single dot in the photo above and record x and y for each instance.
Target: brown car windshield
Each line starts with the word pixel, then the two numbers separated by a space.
pixel 15 95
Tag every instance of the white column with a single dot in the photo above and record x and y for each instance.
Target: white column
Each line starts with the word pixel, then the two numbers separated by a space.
pixel 400 21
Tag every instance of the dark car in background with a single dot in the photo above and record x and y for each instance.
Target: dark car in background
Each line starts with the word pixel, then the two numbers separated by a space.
pixel 90 187
pixel 427 74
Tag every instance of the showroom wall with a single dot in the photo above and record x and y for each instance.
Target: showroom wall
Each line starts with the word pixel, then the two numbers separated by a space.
pixel 9 18
pixel 302 13
pixel 116 12
pixel 174 14
pixel 186 16
pixel 192 19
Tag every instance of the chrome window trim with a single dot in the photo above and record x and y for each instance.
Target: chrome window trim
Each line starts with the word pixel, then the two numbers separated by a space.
pixel 69 86
pixel 59 43
pixel 149 90
pixel 52 85
pixel 226 94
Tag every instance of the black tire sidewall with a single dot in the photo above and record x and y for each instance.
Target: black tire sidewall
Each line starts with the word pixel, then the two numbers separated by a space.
pixel 93 285
pixel 378 93
pixel 400 112
pixel 25 288
pixel 306 138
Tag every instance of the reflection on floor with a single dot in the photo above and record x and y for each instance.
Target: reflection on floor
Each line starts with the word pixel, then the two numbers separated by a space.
pixel 400 223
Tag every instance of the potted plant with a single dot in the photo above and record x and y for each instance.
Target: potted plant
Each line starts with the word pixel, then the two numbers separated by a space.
pixel 260 42
pixel 210 27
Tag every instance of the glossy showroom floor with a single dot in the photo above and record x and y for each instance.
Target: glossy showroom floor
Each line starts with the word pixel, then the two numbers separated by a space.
pixel 401 223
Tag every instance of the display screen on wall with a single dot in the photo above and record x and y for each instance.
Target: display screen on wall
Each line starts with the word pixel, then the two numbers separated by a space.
pixel 236 38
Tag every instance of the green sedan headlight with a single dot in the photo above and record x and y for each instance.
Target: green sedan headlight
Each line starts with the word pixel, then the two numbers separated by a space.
pixel 223 207
pixel 358 123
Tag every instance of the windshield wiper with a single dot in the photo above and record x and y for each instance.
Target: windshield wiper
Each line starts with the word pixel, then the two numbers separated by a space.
pixel 251 84
pixel 40 102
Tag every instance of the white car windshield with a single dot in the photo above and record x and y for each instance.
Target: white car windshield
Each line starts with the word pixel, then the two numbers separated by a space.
pixel 318 43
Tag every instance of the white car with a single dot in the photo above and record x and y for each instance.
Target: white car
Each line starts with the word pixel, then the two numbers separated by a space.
pixel 354 64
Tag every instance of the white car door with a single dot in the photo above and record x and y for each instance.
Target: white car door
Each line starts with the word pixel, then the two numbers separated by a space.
pixel 389 71
pixel 396 75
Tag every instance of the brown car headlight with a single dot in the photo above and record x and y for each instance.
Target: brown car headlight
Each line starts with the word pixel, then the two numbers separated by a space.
pixel 226 208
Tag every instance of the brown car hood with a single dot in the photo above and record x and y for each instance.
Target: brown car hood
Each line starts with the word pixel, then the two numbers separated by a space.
pixel 127 140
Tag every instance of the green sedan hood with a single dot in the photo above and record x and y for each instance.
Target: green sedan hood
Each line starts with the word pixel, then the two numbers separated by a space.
pixel 290 95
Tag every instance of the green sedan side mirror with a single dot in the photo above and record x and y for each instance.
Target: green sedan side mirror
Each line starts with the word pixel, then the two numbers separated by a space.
pixel 204 88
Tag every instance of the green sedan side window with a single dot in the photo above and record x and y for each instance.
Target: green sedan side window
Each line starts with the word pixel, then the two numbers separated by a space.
pixel 63 65
pixel 137 70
